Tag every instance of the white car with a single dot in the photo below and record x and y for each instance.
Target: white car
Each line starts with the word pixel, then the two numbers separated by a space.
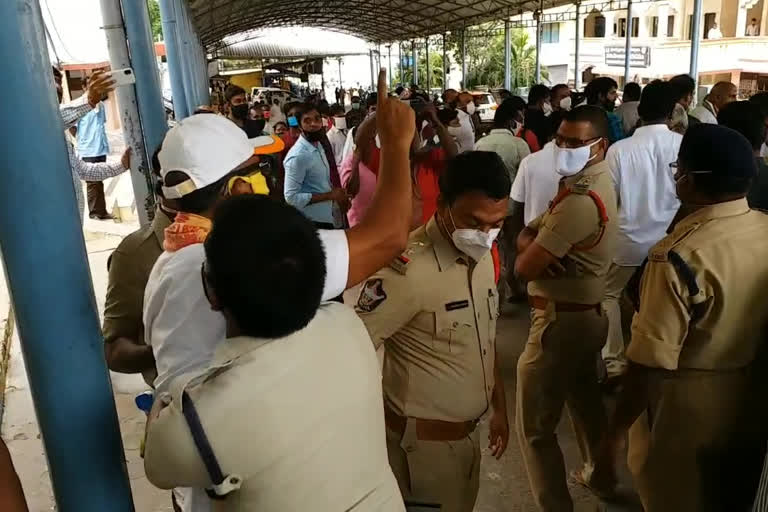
pixel 268 94
pixel 486 106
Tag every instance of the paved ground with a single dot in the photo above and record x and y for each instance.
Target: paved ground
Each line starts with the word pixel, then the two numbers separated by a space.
pixel 504 486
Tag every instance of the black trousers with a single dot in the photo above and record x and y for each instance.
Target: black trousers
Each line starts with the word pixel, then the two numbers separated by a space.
pixel 97 203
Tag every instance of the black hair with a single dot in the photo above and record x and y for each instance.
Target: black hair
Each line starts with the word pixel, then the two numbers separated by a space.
pixel 475 171
pixel 743 117
pixel 538 93
pixel 657 102
pixel 509 109
pixel 306 108
pixel 399 90
pixel 336 110
pixel 539 124
pixel 504 94
pixel 446 115
pixel 600 85
pixel 760 100
pixel 372 99
pixel 280 122
pixel 591 114
pixel 231 91
pixel 681 86
pixel 201 199
pixel 558 87
pixel 266 265
pixel 291 105
pixel 631 92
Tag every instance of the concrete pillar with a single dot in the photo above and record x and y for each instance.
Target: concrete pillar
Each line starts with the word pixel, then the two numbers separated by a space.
pixel 371 67
pixel 577 39
pixel 695 43
pixel 50 283
pixel 415 63
pixel 662 11
pixel 400 63
pixel 507 56
pixel 464 75
pixel 741 19
pixel 538 42
pixel 445 65
pixel 628 42
pixel 610 20
pixel 390 78
pixel 429 71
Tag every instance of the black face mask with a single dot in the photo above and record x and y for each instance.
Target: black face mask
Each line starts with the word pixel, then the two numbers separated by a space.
pixel 314 136
pixel 240 111
pixel 259 124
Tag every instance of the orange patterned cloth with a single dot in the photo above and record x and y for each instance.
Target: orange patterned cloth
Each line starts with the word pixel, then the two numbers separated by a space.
pixel 187 229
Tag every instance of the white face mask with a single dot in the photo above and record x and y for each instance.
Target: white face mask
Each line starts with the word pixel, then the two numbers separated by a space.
pixel 517 127
pixel 473 242
pixel 565 103
pixel 547 108
pixel 570 161
pixel 340 122
pixel 471 108
pixel 454 131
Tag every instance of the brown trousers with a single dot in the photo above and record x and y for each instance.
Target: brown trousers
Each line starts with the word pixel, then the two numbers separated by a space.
pixel 557 368
pixel 436 472
pixel 97 203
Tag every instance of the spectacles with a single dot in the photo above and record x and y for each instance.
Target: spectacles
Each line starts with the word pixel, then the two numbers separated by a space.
pixel 566 142
pixel 678 172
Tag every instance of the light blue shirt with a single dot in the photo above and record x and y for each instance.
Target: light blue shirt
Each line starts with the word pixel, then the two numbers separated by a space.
pixel 91 136
pixel 306 173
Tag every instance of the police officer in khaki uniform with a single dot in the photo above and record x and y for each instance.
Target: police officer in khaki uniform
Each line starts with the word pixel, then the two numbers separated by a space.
pixel 697 446
pixel 435 308
pixel 565 255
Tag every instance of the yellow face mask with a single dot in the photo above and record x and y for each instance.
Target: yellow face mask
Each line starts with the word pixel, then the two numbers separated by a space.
pixel 256 181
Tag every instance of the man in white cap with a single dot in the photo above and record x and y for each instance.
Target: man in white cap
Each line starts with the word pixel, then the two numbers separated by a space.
pixel 206 158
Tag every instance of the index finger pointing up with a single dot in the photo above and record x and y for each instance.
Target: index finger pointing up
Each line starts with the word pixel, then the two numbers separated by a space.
pixel 382 96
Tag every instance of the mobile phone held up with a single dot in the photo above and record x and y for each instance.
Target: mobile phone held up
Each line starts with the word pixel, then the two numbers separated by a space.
pixel 122 77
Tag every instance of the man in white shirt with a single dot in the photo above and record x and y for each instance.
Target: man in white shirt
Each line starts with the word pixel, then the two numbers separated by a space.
pixel 308 431
pixel 464 104
pixel 721 94
pixel 276 113
pixel 535 185
pixel 645 188
pixel 502 139
pixel 337 135
pixel 201 159
pixel 753 29
pixel 714 32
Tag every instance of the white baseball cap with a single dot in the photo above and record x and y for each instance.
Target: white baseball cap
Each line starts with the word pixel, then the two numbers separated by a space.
pixel 207 147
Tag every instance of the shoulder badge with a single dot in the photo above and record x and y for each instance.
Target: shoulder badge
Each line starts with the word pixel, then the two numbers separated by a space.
pixel 582 186
pixel 371 296
pixel 400 264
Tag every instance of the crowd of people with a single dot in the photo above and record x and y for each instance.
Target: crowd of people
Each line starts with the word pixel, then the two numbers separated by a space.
pixel 268 394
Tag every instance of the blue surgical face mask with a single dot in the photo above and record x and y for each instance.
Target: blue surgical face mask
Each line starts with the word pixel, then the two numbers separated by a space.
pixel 293 122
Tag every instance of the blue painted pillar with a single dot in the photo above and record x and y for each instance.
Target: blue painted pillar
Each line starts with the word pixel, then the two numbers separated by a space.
pixel 144 61
pixel 174 57
pixel 49 280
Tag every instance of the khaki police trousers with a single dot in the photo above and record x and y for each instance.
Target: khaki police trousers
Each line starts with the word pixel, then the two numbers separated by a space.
pixel 699 446
pixel 613 351
pixel 559 367
pixel 437 472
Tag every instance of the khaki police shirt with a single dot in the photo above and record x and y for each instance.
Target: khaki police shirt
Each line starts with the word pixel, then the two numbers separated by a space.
pixel 298 419
pixel 726 247
pixel 437 314
pixel 129 268
pixel 575 222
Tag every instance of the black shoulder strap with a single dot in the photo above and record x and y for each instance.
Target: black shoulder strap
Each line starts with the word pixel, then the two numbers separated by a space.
pixel 202 444
pixel 689 278
pixel 633 286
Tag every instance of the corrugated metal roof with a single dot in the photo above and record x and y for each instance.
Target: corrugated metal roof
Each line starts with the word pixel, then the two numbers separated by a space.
pixel 374 20
pixel 288 48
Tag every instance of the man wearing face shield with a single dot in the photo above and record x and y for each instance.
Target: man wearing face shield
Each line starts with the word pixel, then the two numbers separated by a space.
pixel 565 255
pixel 435 307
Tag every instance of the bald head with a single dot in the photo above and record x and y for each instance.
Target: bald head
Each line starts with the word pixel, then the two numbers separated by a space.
pixel 722 94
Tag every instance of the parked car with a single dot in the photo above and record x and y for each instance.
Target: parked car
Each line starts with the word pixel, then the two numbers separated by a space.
pixel 486 105
pixel 268 95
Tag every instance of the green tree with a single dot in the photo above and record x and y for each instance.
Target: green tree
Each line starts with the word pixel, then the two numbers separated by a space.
pixel 485 59
pixel 435 69
pixel 154 18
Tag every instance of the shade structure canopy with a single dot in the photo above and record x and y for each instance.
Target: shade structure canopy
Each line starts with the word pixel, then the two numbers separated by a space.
pixel 290 43
pixel 377 21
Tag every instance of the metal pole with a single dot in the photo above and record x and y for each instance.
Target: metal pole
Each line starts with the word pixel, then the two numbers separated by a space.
pixel 400 62
pixel 538 42
pixel 507 56
pixel 464 58
pixel 445 65
pixel 174 58
pixel 576 73
pixel 695 42
pixel 373 78
pixel 628 42
pixel 50 283
pixel 429 71
pixel 148 91
pixel 415 57
pixel 389 64
pixel 129 108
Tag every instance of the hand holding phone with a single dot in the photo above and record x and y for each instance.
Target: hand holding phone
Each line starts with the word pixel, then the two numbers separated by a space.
pixel 122 77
